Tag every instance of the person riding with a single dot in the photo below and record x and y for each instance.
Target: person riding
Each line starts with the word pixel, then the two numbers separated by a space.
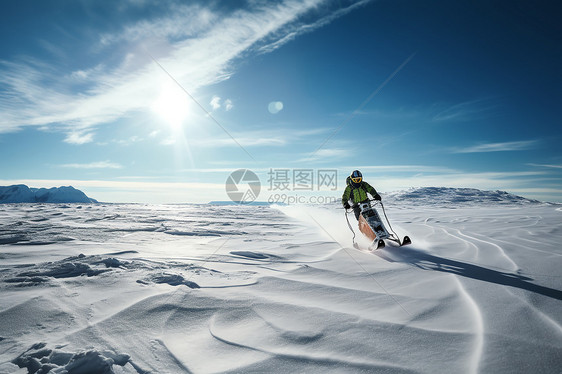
pixel 357 191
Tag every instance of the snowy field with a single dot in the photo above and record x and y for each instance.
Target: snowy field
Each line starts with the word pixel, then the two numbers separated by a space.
pixel 243 289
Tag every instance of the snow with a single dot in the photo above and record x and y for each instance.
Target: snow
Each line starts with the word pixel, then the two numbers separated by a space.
pixel 130 288
pixel 23 194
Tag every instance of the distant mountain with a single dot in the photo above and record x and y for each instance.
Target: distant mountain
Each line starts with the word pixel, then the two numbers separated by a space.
pixel 21 193
pixel 452 197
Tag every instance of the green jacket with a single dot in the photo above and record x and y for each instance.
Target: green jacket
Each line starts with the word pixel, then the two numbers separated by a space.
pixel 357 194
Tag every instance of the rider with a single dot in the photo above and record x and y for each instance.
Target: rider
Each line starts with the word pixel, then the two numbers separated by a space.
pixel 356 191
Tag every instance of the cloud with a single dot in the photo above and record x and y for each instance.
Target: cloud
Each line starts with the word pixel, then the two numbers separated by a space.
pixel 215 102
pixel 326 154
pixel 546 166
pixel 161 192
pixel 94 165
pixel 466 111
pixel 79 138
pixel 293 31
pixel 276 137
pixel 171 26
pixel 499 147
pixel 35 93
pixel 488 180
pixel 403 169
pixel 245 140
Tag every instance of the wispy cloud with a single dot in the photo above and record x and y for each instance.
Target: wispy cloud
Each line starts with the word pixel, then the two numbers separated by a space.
pixel 465 111
pixel 403 169
pixel 94 165
pixel 499 147
pixel 550 166
pixel 489 180
pixel 326 154
pixel 79 138
pixel 37 94
pixel 293 31
pixel 246 140
pixel 275 137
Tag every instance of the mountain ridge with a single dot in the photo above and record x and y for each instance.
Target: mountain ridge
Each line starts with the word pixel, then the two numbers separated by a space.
pixel 20 193
pixel 458 196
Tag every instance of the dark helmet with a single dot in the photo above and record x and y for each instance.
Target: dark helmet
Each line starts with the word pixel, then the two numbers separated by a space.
pixel 356 177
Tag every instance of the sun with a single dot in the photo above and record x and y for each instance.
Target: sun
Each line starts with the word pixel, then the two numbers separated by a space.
pixel 172 105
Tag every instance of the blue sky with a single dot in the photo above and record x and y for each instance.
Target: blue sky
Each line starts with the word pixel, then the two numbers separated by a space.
pixel 441 93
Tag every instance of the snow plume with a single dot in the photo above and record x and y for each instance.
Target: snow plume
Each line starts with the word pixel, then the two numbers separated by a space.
pixel 329 222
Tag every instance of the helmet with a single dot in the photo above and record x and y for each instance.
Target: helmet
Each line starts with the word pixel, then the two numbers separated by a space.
pixel 356 177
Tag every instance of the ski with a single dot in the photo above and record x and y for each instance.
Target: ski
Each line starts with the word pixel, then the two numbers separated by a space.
pixel 406 241
pixel 377 244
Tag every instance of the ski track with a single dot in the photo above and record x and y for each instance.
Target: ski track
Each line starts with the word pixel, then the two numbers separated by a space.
pixel 500 249
pixel 283 292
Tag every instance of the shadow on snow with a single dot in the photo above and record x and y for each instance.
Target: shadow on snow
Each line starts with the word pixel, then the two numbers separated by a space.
pixel 426 261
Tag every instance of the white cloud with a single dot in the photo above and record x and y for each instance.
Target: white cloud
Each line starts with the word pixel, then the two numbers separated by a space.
pixel 79 138
pixel 326 154
pixel 499 147
pixel 508 181
pixel 245 140
pixel 35 94
pixel 94 165
pixel 466 111
pixel 546 166
pixel 403 169
pixel 293 31
pixel 171 26
pixel 271 137
pixel 228 105
pixel 215 102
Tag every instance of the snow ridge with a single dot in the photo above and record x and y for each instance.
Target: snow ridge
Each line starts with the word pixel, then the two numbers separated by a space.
pixel 452 197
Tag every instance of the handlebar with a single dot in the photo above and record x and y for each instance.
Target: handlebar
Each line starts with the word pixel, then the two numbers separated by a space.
pixel 370 200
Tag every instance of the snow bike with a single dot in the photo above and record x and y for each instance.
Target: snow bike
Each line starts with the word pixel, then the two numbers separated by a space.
pixel 371 225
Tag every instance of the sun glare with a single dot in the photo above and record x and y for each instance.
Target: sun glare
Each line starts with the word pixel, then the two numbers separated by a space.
pixel 172 105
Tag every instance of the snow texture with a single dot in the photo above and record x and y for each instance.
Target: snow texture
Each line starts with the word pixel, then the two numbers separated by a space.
pixel 130 288
pixel 22 194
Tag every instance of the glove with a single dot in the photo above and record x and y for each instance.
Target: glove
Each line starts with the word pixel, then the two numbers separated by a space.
pixel 346 206
pixel 378 197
